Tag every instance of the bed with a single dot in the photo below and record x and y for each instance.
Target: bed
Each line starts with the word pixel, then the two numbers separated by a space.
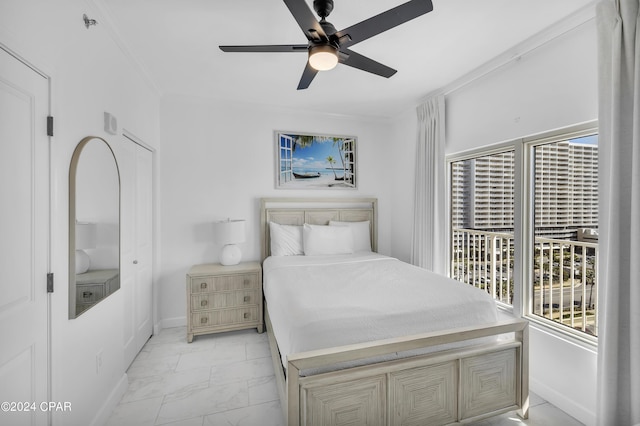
pixel 381 359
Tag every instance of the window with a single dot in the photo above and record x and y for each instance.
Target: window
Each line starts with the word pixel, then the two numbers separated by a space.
pixel 286 158
pixel 482 206
pixel 566 232
pixel 548 262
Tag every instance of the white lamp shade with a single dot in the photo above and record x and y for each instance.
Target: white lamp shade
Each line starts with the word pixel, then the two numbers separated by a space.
pixel 229 232
pixel 86 235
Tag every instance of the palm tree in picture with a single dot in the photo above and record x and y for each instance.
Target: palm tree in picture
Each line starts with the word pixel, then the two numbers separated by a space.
pixel 303 141
pixel 331 162
pixel 340 143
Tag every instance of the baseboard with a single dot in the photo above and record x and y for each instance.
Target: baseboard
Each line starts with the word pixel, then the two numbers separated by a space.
pixel 157 327
pixel 103 414
pixel 173 322
pixel 577 411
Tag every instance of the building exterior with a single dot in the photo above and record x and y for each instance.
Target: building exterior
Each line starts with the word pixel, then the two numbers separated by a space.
pixel 566 190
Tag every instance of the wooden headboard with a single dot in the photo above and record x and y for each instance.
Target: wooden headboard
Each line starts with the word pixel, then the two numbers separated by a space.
pixel 316 211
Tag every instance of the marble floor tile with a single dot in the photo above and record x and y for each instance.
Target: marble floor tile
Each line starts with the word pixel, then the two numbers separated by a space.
pixel 267 414
pixel 202 402
pixel 138 413
pixel 228 379
pixel 163 350
pixel 194 421
pixel 262 390
pixel 226 353
pixel 168 383
pixel 152 367
pixel 244 370
pixel 168 335
pixel 258 350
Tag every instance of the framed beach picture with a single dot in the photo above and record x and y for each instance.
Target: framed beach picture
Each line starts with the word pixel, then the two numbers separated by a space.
pixel 308 161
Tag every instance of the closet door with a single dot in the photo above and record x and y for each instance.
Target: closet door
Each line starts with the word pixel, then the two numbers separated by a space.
pixel 144 246
pixel 136 175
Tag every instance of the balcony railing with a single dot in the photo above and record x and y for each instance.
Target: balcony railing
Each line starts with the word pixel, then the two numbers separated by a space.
pixel 563 282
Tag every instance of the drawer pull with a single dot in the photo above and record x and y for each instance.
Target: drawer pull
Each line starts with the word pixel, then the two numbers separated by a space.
pixel 204 320
pixel 247 282
pixel 247 298
pixel 203 286
pixel 246 315
pixel 86 294
pixel 204 302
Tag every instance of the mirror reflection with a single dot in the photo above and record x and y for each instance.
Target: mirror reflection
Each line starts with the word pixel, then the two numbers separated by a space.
pixel 94 225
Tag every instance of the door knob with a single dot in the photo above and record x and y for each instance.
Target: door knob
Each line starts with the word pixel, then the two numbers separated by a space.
pixel 135 262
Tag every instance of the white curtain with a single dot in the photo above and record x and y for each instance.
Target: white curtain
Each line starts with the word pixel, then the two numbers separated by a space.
pixel 619 191
pixel 428 246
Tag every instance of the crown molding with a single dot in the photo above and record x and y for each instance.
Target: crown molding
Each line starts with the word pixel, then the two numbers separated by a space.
pixel 570 23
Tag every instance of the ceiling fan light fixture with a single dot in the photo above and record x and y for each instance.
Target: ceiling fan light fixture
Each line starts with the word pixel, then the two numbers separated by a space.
pixel 323 57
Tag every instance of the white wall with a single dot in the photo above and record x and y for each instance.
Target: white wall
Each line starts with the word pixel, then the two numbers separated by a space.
pixel 89 75
pixel 402 158
pixel 218 160
pixel 551 87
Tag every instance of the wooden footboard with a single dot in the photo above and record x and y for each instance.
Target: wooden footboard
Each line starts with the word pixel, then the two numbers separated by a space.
pixel 448 386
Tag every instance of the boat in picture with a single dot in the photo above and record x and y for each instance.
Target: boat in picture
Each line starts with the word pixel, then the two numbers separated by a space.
pixel 306 175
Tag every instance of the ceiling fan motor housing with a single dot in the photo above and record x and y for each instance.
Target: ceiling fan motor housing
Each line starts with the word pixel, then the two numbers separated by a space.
pixel 328 27
pixel 323 7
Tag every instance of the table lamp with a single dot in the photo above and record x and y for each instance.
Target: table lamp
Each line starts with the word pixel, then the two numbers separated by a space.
pixel 229 233
pixel 86 238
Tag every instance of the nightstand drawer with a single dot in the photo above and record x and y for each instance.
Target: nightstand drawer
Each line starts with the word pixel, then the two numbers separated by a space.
pixel 224 283
pixel 224 317
pixel 89 293
pixel 224 299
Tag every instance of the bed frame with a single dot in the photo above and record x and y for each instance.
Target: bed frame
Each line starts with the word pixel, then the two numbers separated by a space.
pixel 454 386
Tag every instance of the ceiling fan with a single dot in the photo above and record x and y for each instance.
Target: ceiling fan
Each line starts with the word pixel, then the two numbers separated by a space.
pixel 326 46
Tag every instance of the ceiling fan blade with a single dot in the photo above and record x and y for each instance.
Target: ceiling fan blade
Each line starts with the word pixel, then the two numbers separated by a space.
pixel 363 63
pixel 306 19
pixel 307 77
pixel 383 22
pixel 267 48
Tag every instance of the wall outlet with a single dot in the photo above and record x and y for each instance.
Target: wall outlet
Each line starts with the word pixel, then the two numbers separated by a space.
pixel 99 361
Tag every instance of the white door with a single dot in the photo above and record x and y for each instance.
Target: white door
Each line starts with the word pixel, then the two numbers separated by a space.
pixel 136 180
pixel 144 245
pixel 24 242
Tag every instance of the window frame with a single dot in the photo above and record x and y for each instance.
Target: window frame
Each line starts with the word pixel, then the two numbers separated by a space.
pixel 523 220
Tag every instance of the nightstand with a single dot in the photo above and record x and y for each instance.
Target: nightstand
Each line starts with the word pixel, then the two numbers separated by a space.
pixel 224 298
pixel 93 286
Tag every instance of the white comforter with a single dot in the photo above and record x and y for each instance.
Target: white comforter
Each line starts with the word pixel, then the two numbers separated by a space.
pixel 326 301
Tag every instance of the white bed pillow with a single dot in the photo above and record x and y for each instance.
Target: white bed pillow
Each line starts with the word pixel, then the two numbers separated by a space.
pixel 286 240
pixel 322 239
pixel 361 234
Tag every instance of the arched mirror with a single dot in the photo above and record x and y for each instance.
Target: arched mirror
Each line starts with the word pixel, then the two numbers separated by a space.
pixel 94 225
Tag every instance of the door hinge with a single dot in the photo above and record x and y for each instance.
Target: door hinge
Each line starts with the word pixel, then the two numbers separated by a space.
pixel 50 282
pixel 49 126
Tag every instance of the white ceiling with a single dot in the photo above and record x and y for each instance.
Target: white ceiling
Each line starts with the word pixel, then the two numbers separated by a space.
pixel 176 42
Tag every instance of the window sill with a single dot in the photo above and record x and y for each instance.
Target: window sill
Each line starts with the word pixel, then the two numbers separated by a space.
pixel 564 333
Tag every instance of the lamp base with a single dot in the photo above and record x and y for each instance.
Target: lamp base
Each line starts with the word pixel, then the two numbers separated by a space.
pixel 230 255
pixel 83 262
